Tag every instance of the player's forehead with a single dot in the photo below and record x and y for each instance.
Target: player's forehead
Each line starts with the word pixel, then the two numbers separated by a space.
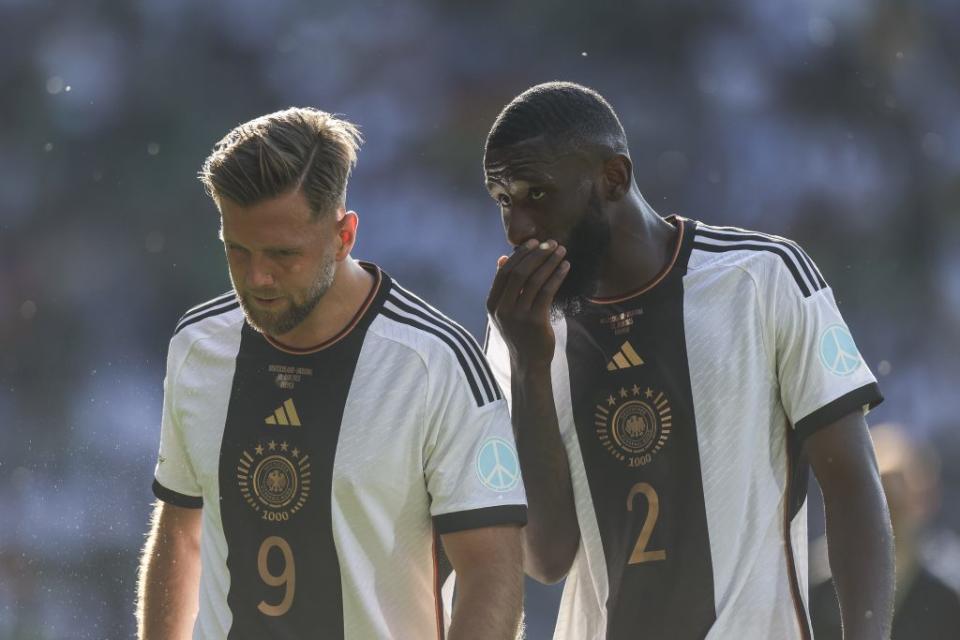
pixel 531 161
pixel 284 221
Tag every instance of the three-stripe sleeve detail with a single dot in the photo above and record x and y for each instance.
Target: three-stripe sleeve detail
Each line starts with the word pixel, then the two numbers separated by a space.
pixel 406 308
pixel 801 267
pixel 473 349
pixel 221 304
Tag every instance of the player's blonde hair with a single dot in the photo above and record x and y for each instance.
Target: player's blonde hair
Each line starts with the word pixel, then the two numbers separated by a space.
pixel 295 149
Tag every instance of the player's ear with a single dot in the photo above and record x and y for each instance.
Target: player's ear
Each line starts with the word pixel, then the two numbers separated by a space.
pixel 617 177
pixel 347 222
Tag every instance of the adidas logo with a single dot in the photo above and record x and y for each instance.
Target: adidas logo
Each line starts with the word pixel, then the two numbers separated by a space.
pixel 285 415
pixel 625 358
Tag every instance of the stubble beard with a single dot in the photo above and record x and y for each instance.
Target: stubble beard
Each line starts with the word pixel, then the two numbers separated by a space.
pixel 588 243
pixel 277 323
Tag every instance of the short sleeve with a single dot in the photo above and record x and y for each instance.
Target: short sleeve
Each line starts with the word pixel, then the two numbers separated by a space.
pixel 175 481
pixel 821 373
pixel 471 464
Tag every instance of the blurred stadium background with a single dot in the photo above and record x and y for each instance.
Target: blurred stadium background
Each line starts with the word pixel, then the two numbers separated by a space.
pixel 834 122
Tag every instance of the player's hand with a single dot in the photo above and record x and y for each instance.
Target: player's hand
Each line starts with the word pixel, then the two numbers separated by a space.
pixel 521 297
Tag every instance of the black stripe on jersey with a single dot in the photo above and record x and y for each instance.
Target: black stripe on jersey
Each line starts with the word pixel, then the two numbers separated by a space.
pixel 477 394
pixel 269 532
pixel 226 297
pixel 176 499
pixel 659 562
pixel 760 247
pixel 811 266
pixel 481 366
pixel 730 234
pixel 482 396
pixel 479 518
pixel 868 395
pixel 213 311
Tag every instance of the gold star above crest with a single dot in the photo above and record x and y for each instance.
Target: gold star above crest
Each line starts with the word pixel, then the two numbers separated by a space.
pixel 636 390
pixel 648 393
pixel 295 452
pixel 623 392
pixel 283 446
pixel 259 450
pixel 272 445
pixel 611 401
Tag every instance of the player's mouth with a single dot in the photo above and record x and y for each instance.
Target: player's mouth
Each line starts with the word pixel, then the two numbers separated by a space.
pixel 266 302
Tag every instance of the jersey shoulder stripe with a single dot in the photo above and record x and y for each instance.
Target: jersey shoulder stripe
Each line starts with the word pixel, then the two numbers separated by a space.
pixel 219 305
pixel 810 267
pixel 390 312
pixel 473 349
pixel 727 239
pixel 402 307
pixel 203 306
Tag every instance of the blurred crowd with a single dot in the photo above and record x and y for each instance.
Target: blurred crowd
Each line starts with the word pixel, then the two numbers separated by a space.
pixel 833 122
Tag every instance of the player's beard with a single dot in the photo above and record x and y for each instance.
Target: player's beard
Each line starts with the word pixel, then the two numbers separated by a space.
pixel 587 244
pixel 299 308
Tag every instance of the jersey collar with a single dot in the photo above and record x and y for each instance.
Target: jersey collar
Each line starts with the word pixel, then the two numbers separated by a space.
pixel 675 267
pixel 362 319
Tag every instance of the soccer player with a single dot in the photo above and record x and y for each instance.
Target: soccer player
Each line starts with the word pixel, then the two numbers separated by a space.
pixel 925 608
pixel 324 429
pixel 670 383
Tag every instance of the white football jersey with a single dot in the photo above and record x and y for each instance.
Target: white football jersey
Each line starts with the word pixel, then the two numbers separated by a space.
pixel 326 475
pixel 683 408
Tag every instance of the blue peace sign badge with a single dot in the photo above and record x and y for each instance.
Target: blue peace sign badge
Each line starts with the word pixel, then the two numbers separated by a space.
pixel 497 465
pixel 838 353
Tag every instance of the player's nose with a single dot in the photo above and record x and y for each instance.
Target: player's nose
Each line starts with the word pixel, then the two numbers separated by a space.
pixel 259 274
pixel 520 228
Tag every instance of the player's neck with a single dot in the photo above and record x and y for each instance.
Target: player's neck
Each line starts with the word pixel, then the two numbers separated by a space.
pixel 641 245
pixel 336 309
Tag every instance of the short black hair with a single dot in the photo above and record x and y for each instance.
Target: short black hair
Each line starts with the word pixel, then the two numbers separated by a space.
pixel 563 112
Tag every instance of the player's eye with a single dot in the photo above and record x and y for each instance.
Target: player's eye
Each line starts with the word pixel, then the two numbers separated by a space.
pixel 537 194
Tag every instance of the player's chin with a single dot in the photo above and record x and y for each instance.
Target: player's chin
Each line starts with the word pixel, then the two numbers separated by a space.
pixel 263 320
pixel 272 326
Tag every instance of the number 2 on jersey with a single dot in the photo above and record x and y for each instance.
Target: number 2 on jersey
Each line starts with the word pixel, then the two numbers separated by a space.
pixel 640 552
pixel 288 578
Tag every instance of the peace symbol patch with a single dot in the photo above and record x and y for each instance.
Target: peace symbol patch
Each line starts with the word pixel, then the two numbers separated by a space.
pixel 497 465
pixel 838 353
